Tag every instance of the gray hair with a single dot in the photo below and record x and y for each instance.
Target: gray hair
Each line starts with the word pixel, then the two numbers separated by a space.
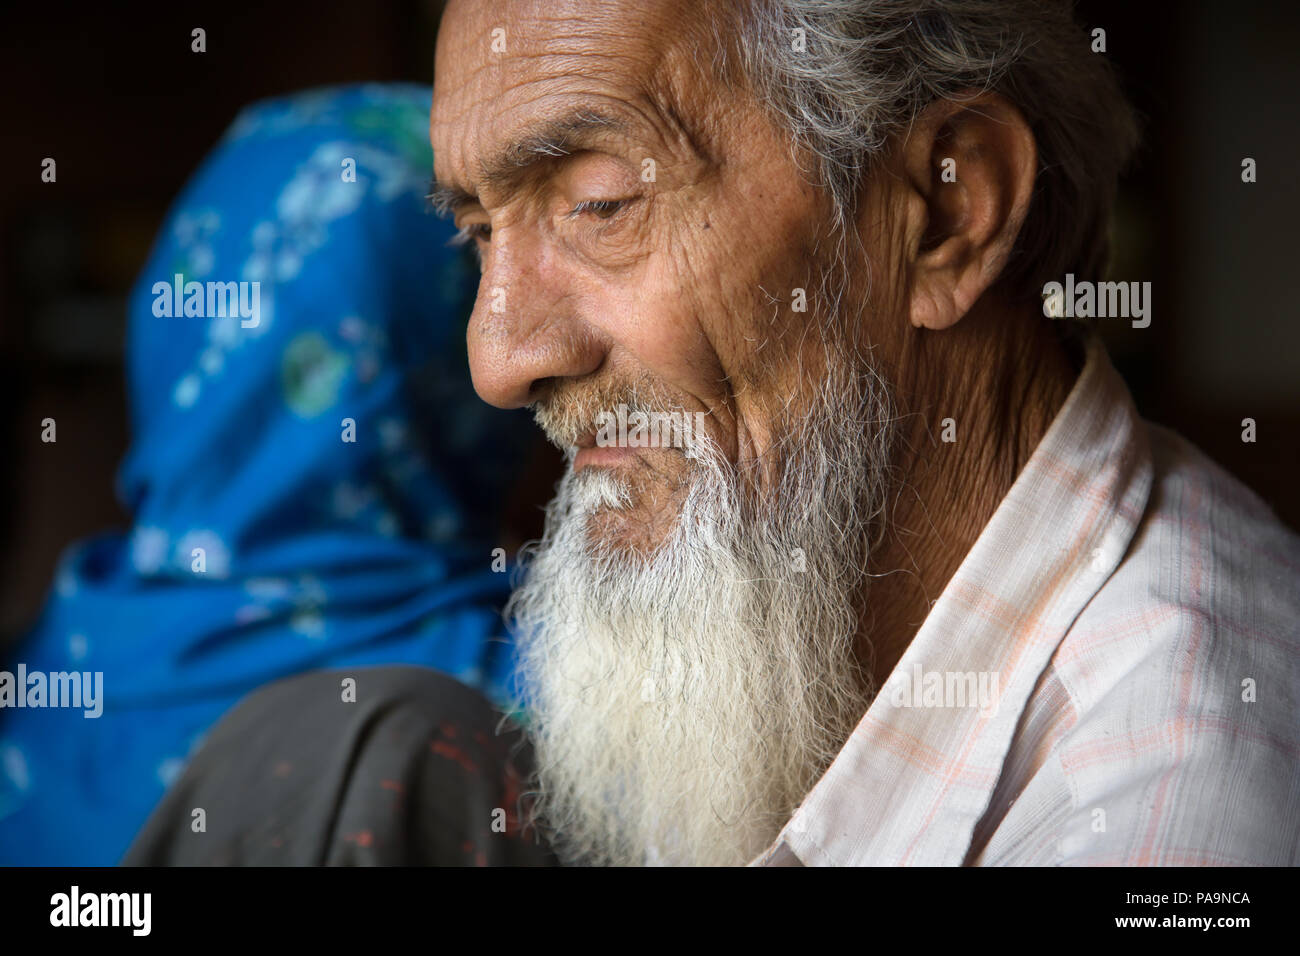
pixel 869 67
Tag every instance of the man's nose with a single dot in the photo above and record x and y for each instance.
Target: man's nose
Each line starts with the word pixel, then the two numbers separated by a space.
pixel 524 330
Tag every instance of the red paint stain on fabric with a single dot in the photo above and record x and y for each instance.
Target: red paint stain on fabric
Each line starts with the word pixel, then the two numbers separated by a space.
pixel 452 752
pixel 512 802
pixel 447 729
pixel 364 838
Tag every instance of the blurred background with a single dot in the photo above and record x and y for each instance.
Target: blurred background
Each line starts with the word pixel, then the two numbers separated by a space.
pixel 128 111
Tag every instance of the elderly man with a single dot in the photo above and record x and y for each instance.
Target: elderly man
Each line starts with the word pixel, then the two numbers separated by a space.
pixel 921 588
pixel 825 631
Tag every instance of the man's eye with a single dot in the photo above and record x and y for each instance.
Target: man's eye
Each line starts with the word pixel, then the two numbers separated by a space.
pixel 475 235
pixel 600 208
pixel 472 233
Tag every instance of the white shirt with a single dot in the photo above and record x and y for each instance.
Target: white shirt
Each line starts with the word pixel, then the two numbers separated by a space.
pixel 1112 676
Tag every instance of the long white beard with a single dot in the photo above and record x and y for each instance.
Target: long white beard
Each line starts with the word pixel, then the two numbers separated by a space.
pixel 683 703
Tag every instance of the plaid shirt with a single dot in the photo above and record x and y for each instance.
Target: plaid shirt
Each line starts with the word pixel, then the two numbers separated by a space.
pixel 1111 676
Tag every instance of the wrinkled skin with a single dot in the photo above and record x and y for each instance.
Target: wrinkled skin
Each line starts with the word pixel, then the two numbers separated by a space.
pixel 688 282
pixel 685 283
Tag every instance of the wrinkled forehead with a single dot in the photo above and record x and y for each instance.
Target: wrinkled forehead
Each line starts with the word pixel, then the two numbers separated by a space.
pixel 504 64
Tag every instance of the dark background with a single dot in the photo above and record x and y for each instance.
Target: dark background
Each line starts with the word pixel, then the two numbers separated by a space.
pixel 114 94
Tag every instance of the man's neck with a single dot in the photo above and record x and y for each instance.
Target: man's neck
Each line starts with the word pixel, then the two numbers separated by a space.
pixel 1000 377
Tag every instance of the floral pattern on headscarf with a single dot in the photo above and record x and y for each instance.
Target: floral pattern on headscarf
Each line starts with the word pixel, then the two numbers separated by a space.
pixel 316 551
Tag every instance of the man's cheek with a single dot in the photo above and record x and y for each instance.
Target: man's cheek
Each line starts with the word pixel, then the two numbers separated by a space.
pixel 669 331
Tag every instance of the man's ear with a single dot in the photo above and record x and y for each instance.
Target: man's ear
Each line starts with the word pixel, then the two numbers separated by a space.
pixel 968 173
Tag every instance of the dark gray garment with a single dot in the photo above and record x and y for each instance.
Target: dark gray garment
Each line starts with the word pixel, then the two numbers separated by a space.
pixel 419 770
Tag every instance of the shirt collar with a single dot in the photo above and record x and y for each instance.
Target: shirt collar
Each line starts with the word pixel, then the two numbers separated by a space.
pixel 912 782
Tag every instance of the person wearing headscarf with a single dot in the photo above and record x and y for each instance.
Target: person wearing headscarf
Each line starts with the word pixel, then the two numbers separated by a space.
pixel 315 486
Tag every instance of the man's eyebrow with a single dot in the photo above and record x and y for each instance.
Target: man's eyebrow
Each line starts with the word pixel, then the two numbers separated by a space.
pixel 550 139
pixel 445 200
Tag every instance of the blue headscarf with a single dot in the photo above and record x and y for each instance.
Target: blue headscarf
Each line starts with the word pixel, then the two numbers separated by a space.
pixel 264 542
